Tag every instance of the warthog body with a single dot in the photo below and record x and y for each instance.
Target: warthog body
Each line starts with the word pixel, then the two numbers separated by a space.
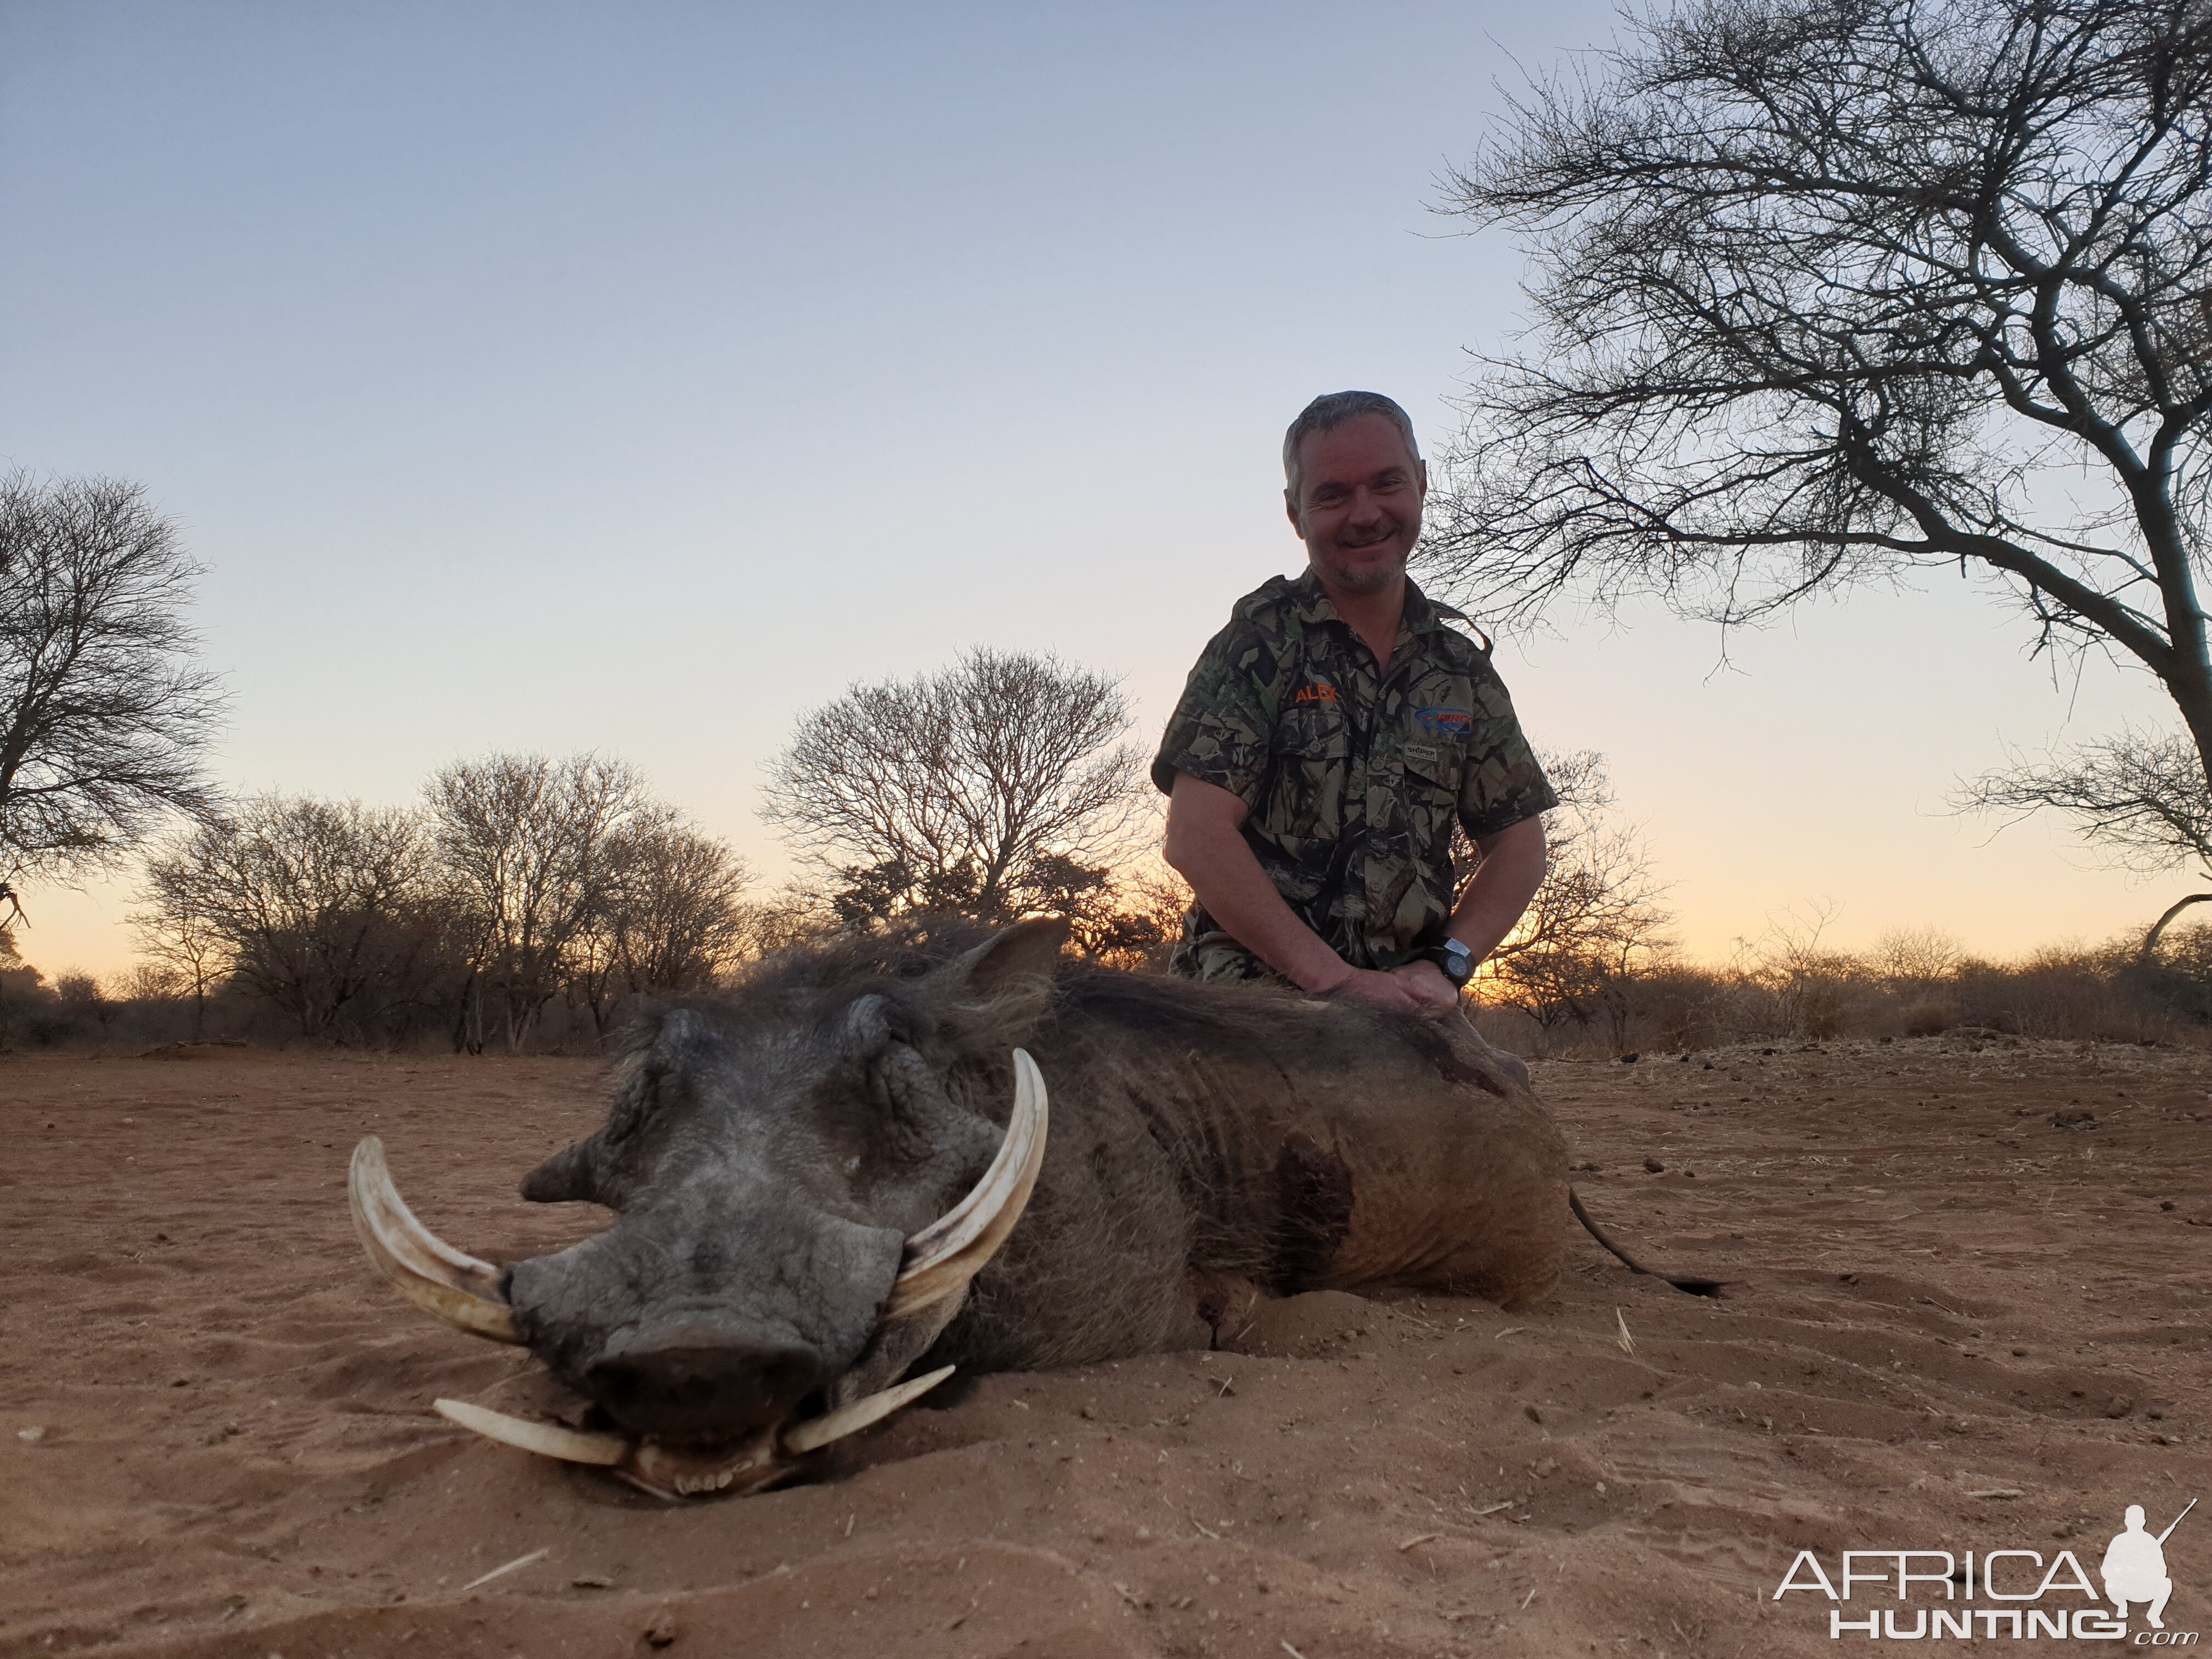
pixel 771 1153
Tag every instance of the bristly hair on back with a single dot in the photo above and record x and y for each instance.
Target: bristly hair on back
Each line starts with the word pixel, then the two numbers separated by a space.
pixel 906 947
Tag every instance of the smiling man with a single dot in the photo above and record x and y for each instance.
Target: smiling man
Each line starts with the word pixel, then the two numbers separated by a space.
pixel 1333 736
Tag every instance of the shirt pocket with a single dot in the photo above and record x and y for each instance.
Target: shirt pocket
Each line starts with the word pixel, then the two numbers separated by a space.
pixel 1435 769
pixel 1309 756
pixel 1435 764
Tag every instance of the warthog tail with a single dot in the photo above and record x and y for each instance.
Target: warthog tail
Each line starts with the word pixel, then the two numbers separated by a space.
pixel 1680 1281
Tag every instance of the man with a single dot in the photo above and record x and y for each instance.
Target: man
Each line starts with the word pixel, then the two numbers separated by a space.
pixel 1331 736
pixel 2134 1568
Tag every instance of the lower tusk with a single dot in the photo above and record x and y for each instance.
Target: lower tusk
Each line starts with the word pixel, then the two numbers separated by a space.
pixel 428 1271
pixel 818 1432
pixel 546 1439
pixel 952 1249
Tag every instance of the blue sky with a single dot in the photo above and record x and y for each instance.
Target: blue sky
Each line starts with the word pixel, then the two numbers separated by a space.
pixel 544 377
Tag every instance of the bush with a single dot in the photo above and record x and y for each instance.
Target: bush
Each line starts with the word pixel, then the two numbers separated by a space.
pixel 1931 1018
pixel 1787 988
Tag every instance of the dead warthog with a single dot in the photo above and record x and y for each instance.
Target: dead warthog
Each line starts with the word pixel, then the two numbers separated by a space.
pixel 842 1171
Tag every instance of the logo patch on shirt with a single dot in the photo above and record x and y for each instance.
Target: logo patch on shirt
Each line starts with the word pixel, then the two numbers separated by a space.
pixel 1316 693
pixel 1446 722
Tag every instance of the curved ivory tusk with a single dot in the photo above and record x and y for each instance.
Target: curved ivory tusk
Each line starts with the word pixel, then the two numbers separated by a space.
pixel 429 1273
pixel 546 1439
pixel 952 1249
pixel 817 1432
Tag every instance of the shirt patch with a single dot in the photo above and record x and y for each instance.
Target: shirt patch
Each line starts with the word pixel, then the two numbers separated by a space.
pixel 1315 693
pixel 1446 722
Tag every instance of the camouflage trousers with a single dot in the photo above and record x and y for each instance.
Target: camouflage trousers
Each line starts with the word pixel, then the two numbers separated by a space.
pixel 1217 958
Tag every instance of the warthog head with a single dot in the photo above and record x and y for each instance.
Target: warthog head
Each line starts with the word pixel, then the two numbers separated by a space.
pixel 788 1172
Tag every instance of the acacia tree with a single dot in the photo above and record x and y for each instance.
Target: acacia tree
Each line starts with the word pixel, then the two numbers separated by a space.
pixel 995 786
pixel 105 713
pixel 2140 799
pixel 1829 291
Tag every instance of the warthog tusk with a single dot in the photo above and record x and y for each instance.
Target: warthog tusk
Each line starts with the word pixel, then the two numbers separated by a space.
pixel 429 1273
pixel 674 1471
pixel 817 1432
pixel 952 1249
pixel 546 1439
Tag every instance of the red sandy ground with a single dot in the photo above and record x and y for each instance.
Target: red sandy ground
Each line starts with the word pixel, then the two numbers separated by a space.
pixel 1938 1296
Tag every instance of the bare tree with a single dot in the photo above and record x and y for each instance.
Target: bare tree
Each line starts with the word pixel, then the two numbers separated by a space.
pixel 1597 921
pixel 177 936
pixel 992 787
pixel 1800 985
pixel 795 914
pixel 104 712
pixel 1828 292
pixel 20 985
pixel 1915 960
pixel 671 915
pixel 526 846
pixel 2140 800
pixel 325 909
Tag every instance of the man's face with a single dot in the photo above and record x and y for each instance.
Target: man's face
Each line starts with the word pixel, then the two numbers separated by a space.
pixel 1358 506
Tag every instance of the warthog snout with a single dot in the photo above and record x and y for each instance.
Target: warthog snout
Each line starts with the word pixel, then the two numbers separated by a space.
pixel 703 1380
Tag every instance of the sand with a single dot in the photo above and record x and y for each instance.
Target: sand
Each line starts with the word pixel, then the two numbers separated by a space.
pixel 1953 1324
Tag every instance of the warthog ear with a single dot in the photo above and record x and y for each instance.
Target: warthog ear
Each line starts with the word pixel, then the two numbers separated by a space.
pixel 563 1178
pixel 1007 980
pixel 1030 948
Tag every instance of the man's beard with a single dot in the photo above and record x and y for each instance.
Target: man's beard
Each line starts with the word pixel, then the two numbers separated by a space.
pixel 1365 579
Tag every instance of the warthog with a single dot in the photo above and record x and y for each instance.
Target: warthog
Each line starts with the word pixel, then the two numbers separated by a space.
pixel 787 1166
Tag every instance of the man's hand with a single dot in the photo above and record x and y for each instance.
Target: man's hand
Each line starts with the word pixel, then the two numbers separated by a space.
pixel 1420 986
pixel 1432 993
pixel 1372 985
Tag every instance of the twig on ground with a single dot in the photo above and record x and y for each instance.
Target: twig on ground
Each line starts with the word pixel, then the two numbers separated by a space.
pixel 518 1562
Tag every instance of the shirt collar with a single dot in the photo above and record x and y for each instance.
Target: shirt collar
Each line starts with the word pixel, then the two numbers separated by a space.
pixel 1422 615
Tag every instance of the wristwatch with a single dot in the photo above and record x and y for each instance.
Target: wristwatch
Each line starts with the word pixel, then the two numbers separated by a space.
pixel 1456 961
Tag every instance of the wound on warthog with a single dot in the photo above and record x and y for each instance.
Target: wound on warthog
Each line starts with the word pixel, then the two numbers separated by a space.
pixel 1313 1196
pixel 1452 1065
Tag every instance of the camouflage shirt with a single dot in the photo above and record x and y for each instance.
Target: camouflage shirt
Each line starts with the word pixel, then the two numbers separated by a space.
pixel 1355 777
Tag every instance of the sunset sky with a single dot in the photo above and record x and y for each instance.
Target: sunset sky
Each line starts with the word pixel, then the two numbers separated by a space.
pixel 632 379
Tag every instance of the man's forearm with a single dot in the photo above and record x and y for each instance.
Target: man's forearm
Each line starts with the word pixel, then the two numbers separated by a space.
pixel 1210 855
pixel 1228 882
pixel 1511 870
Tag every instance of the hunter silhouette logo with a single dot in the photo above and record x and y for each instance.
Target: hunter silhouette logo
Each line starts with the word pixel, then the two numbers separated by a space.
pixel 2134 1568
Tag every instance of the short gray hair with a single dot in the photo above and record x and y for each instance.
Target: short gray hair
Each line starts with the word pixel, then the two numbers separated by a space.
pixel 1331 411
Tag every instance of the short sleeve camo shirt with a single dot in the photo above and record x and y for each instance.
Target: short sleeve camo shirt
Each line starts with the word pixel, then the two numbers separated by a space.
pixel 1355 777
